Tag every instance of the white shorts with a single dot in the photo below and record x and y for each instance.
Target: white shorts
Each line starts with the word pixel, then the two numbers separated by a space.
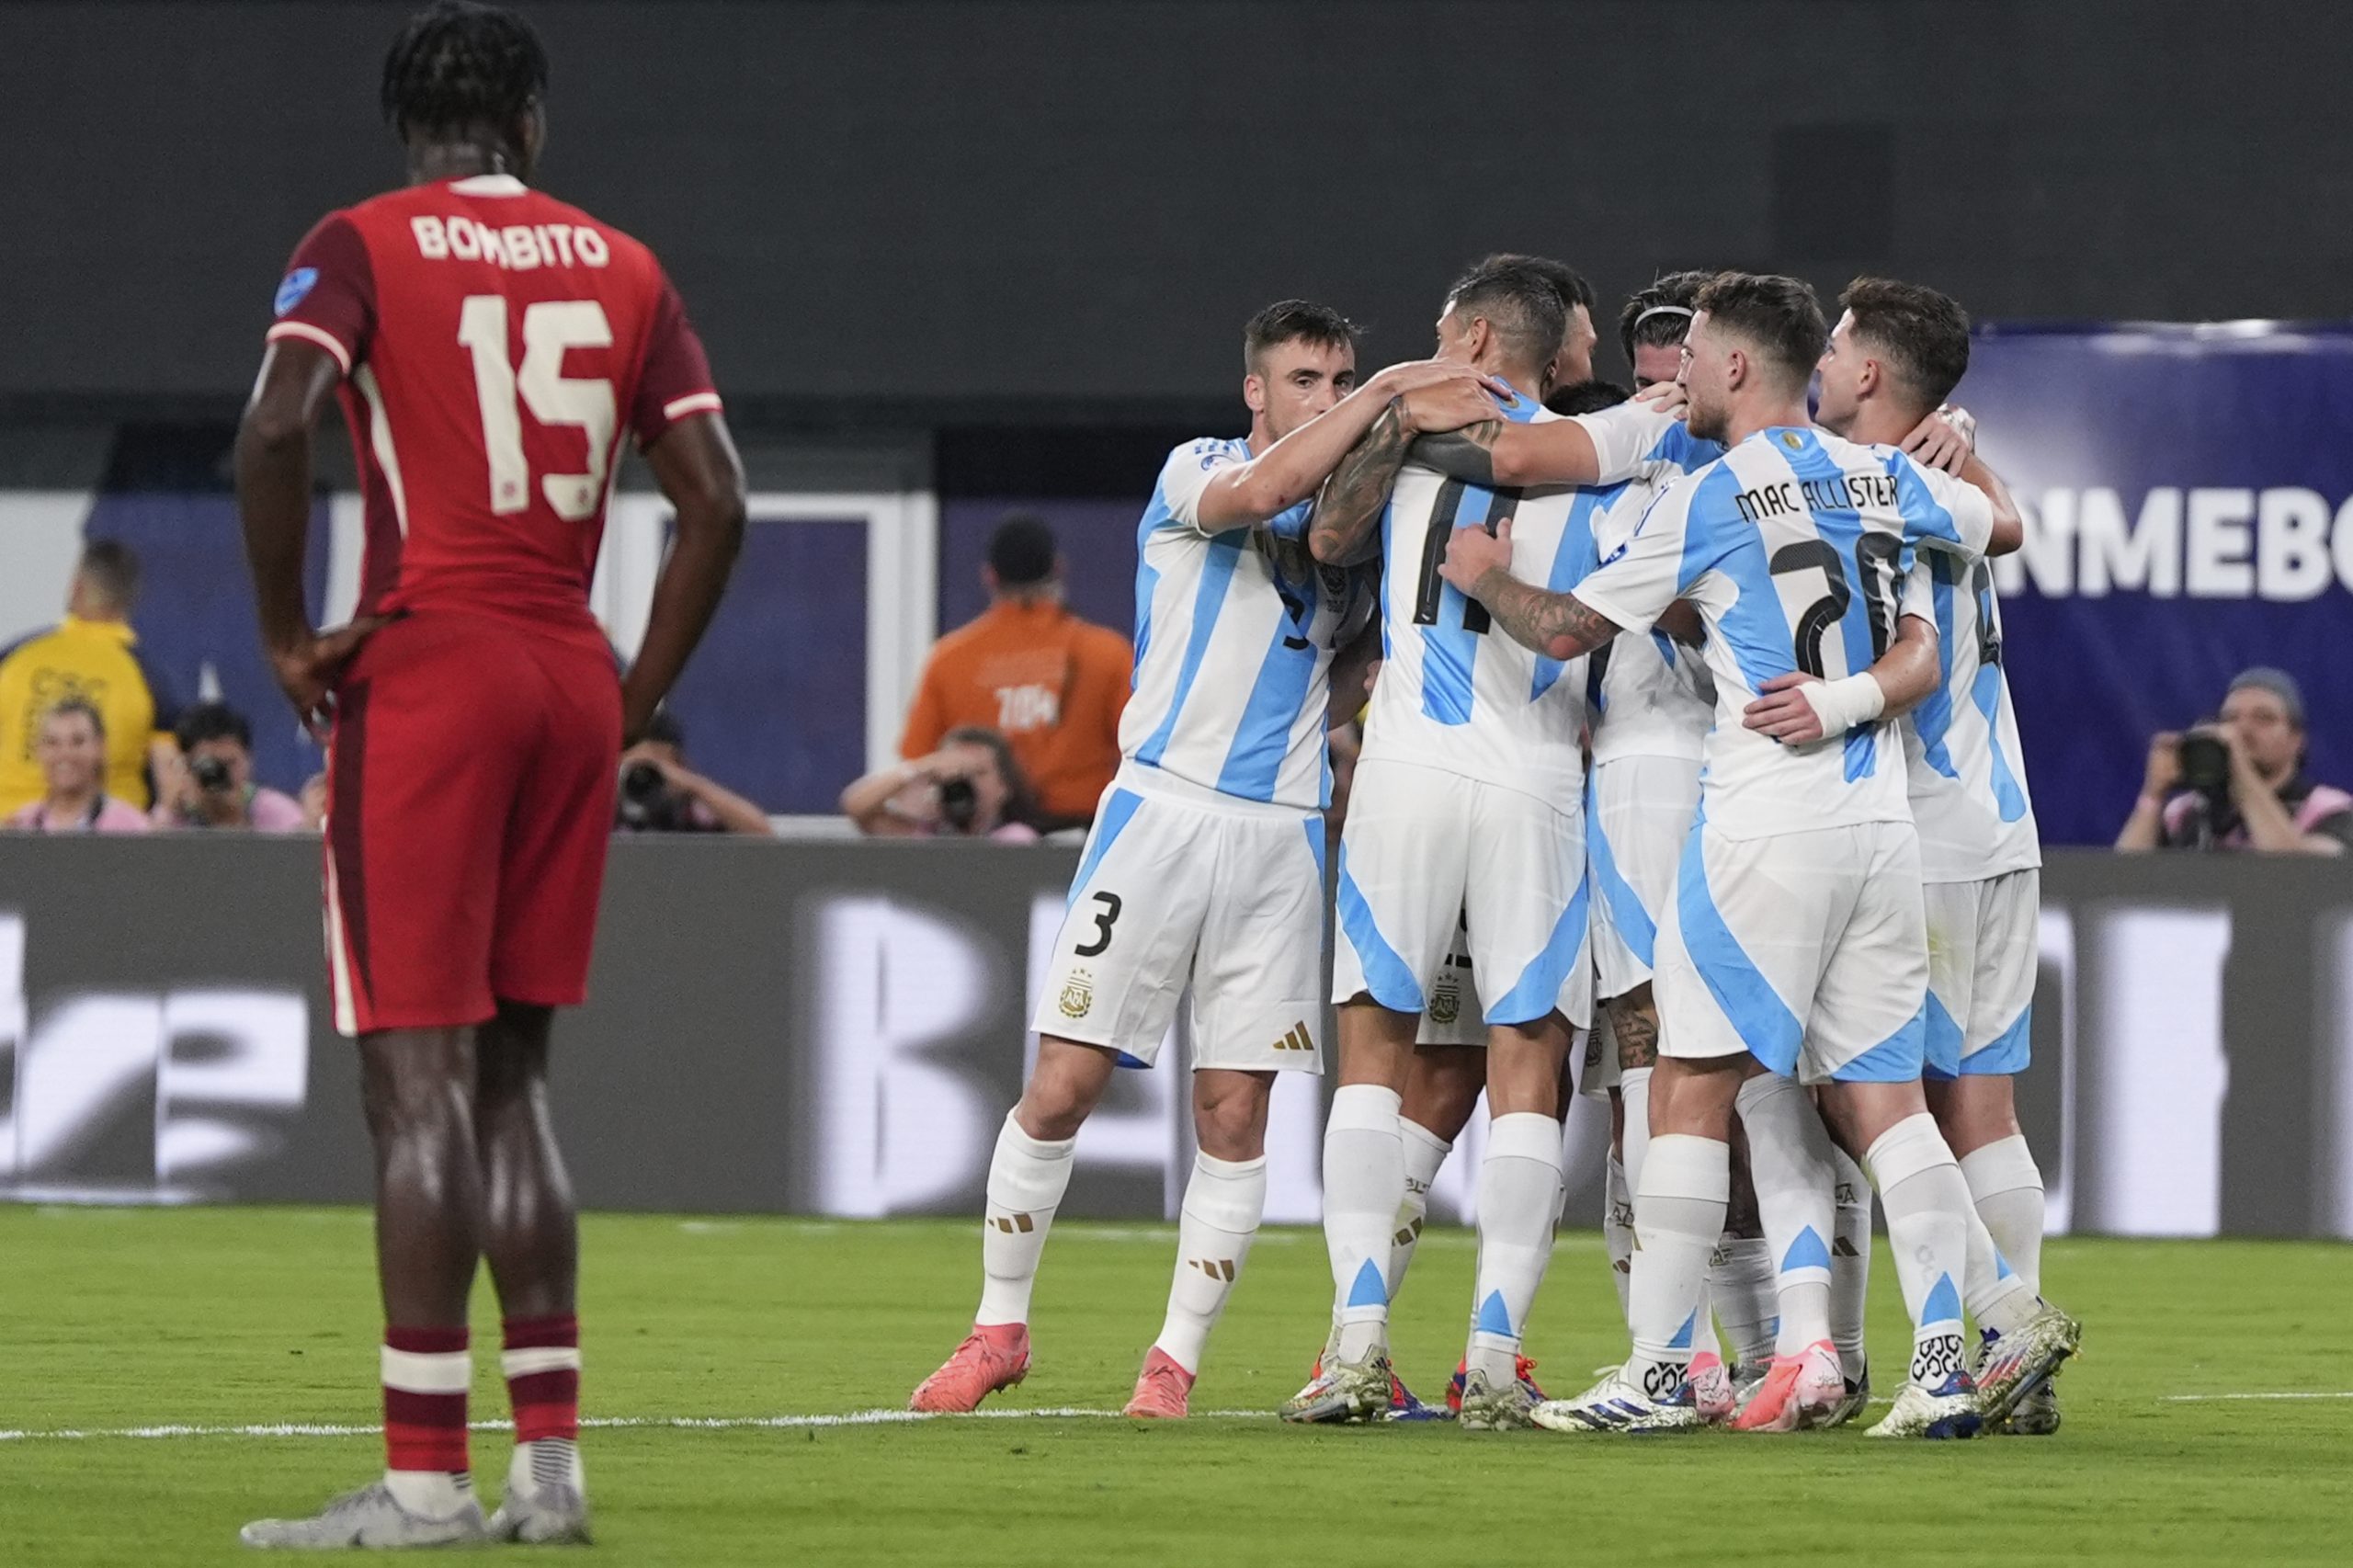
pixel 1639 810
pixel 1452 1015
pixel 1808 950
pixel 1985 954
pixel 1179 887
pixel 1425 848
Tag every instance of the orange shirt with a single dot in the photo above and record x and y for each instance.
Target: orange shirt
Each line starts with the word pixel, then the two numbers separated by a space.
pixel 1052 683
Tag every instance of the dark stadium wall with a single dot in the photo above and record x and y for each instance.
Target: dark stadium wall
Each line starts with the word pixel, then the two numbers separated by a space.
pixel 1063 210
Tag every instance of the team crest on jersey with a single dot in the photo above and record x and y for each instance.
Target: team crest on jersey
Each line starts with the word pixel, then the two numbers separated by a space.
pixel 1078 995
pixel 1791 439
pixel 295 288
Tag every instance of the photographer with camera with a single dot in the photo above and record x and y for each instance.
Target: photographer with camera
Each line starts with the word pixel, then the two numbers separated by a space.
pixel 659 793
pixel 2238 783
pixel 209 783
pixel 971 788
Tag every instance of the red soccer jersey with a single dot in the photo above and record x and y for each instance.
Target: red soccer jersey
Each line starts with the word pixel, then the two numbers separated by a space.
pixel 494 342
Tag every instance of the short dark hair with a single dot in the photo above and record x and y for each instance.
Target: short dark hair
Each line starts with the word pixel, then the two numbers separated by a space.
pixel 1586 397
pixel 1294 321
pixel 1778 315
pixel 88 709
pixel 458 65
pixel 1671 295
pixel 110 569
pixel 1573 288
pixel 212 722
pixel 1021 550
pixel 1020 798
pixel 1925 333
pixel 1520 301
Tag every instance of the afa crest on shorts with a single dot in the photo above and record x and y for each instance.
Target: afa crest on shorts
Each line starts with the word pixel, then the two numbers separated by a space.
pixel 1078 995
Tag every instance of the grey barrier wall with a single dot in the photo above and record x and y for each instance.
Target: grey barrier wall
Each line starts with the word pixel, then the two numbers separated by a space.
pixel 839 1029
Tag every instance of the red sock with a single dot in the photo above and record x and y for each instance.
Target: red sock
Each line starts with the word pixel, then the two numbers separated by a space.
pixel 543 1367
pixel 427 1372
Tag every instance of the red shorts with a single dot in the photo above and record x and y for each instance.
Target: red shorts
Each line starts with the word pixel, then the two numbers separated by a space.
pixel 470 801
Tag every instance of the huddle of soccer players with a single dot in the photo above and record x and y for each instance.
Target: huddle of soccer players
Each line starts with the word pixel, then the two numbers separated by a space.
pixel 1804 856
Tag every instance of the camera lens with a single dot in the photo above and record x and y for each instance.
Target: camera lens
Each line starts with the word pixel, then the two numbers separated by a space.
pixel 958 803
pixel 2205 763
pixel 211 774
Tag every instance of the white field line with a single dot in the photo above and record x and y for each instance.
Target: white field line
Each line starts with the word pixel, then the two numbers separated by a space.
pixel 761 1423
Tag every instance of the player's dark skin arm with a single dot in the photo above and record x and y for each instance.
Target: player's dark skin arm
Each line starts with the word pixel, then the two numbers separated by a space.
pixel 695 463
pixel 273 470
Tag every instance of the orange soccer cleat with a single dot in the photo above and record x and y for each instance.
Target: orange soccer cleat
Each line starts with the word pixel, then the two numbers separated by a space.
pixel 992 1356
pixel 1162 1389
pixel 1799 1391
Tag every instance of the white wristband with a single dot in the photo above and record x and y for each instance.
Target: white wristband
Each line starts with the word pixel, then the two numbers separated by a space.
pixel 1843 704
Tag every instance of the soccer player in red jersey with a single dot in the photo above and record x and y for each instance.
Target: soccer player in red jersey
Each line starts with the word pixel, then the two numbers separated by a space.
pixel 490 345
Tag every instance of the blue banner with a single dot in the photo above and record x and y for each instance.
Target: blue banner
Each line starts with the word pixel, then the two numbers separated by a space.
pixel 2188 494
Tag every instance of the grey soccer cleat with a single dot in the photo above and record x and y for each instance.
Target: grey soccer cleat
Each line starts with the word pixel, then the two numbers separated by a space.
pixel 371 1516
pixel 555 1514
pixel 2036 1415
pixel 2018 1362
pixel 1343 1391
pixel 1488 1406
pixel 1858 1399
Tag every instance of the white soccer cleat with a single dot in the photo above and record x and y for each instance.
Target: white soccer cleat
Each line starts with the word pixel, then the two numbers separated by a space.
pixel 371 1516
pixel 1618 1403
pixel 1950 1411
pixel 1488 1406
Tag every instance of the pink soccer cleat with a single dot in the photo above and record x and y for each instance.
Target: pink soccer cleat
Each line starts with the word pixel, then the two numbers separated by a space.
pixel 1802 1389
pixel 1710 1382
pixel 1162 1389
pixel 994 1356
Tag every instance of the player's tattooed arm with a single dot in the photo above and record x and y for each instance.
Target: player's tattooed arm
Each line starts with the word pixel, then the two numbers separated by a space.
pixel 1349 508
pixel 1556 624
pixel 1468 454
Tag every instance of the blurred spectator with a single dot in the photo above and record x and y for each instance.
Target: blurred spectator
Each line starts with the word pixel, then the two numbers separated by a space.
pixel 659 793
pixel 315 801
pixel 208 781
pixel 94 655
pixel 972 787
pixel 2239 783
pixel 1051 683
pixel 70 742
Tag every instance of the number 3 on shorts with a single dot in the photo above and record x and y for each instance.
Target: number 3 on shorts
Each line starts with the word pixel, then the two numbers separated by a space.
pixel 1104 918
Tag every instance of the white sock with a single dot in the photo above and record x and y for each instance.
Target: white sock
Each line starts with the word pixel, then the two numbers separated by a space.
pixel 2007 1186
pixel 1027 1180
pixel 1928 1230
pixel 1850 1263
pixel 1224 1203
pixel 546 1462
pixel 1789 1158
pixel 1679 1214
pixel 1618 1226
pixel 1519 1198
pixel 1744 1288
pixel 1634 1091
pixel 1364 1185
pixel 429 1493
pixel 1424 1152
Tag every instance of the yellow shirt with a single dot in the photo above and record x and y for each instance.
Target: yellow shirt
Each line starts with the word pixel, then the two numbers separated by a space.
pixel 100 662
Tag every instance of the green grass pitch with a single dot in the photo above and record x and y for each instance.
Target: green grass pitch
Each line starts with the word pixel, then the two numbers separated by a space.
pixel 130 1319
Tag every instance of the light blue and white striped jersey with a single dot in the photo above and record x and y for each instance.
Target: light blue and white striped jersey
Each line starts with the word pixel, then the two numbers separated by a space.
pixel 1795 546
pixel 1650 695
pixel 1960 745
pixel 1234 637
pixel 1454 693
